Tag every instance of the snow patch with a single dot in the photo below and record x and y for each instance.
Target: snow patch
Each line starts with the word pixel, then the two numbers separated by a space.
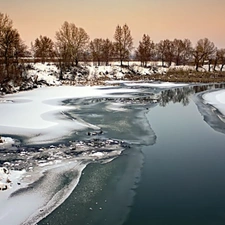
pixel 6 142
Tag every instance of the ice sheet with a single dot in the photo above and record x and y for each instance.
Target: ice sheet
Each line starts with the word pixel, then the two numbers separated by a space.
pixel 157 85
pixel 40 200
pixel 40 115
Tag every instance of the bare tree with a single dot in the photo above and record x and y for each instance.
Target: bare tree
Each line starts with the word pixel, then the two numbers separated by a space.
pixel 43 48
pixel 145 50
pixel 161 49
pixel 187 51
pixel 169 51
pixel 6 35
pixel 123 43
pixel 11 49
pixel 96 48
pixel 71 42
pixel 101 50
pixel 165 51
pixel 220 56
pixel 20 50
pixel 108 51
pixel 182 51
pixel 203 51
pixel 178 50
pixel 5 23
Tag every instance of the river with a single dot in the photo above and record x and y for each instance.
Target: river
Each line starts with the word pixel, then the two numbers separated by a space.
pixel 175 177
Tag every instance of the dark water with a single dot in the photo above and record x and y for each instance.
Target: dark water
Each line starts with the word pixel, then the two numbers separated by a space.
pixel 182 180
pixel 178 180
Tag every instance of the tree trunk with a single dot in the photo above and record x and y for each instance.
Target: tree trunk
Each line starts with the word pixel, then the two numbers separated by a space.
pixel 209 63
pixel 197 65
pixel 215 64
pixel 178 60
pixel 162 62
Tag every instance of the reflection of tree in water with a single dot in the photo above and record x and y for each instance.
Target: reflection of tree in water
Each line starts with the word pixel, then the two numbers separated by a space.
pixel 176 95
pixel 182 94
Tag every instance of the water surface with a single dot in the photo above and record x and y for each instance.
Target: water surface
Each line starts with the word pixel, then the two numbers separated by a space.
pixel 177 180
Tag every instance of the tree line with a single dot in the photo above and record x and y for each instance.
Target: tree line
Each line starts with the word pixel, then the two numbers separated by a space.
pixel 72 44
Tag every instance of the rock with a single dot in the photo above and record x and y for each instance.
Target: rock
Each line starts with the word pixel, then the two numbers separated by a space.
pixel 4 170
pixel 3 187
pixel 8 180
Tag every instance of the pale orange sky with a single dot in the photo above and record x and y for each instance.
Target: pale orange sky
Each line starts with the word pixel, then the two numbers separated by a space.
pixel 161 19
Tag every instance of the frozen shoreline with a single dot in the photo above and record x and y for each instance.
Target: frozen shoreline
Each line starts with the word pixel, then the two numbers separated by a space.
pixel 211 105
pixel 39 191
pixel 29 205
pixel 39 114
pixel 217 99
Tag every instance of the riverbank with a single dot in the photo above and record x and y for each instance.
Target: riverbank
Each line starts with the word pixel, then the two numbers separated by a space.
pixel 37 75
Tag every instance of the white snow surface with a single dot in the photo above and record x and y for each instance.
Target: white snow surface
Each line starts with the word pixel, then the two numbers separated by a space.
pixel 39 114
pixel 217 99
pixel 46 72
pixel 49 72
pixel 157 85
pixel 6 141
pixel 114 70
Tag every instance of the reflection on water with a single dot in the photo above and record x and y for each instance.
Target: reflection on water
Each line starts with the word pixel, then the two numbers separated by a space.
pixel 182 95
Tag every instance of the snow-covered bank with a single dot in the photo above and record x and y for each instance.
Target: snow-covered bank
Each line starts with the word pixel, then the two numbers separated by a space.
pixel 211 105
pixel 44 72
pixel 217 99
pixel 49 73
pixel 38 75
